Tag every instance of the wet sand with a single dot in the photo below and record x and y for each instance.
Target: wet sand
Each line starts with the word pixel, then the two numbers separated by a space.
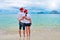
pixel 36 34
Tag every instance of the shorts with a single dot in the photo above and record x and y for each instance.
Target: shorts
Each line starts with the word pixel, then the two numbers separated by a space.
pixel 21 25
pixel 27 24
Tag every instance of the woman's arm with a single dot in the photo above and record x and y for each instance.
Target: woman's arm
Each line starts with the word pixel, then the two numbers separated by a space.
pixel 27 18
pixel 30 21
pixel 21 18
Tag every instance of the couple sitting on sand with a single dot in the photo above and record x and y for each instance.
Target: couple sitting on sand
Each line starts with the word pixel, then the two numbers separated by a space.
pixel 24 21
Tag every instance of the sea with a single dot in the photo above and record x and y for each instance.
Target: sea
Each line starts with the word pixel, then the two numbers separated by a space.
pixel 10 21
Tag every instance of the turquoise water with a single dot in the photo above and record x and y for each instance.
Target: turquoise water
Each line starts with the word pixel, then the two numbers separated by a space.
pixel 9 21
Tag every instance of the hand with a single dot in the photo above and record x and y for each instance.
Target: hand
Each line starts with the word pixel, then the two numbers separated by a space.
pixel 23 17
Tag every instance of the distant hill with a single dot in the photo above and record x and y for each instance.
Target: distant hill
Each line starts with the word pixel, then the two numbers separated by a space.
pixel 32 10
pixel 54 12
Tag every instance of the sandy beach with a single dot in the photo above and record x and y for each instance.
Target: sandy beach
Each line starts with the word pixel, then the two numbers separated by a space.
pixel 36 34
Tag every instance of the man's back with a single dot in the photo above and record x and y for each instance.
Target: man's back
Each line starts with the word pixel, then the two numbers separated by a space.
pixel 20 15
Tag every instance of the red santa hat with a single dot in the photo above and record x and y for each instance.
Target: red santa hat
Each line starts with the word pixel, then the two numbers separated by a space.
pixel 25 10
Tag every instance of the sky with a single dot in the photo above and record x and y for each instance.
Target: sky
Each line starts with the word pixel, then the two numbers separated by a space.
pixel 48 4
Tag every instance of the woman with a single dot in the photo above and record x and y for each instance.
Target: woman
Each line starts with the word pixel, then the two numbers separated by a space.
pixel 27 22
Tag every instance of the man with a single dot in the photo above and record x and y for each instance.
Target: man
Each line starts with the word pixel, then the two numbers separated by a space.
pixel 21 21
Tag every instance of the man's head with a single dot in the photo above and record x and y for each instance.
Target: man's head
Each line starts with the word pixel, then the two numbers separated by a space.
pixel 22 9
pixel 25 11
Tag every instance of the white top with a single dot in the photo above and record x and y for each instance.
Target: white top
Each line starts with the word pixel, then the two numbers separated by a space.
pixel 28 17
pixel 21 14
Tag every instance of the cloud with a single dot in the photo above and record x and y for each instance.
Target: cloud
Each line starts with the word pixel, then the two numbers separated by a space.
pixel 25 3
pixel 16 3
